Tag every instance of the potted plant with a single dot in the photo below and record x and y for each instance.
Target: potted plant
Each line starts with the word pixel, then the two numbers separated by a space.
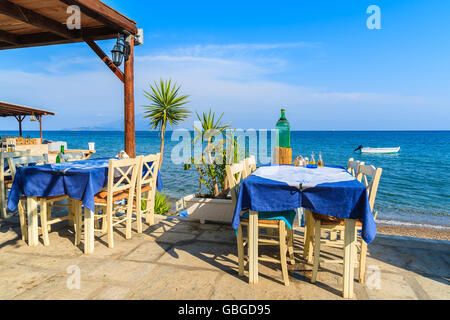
pixel 212 202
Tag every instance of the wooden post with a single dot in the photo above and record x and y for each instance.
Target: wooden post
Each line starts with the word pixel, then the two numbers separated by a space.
pixel 40 126
pixel 282 155
pixel 20 119
pixel 130 147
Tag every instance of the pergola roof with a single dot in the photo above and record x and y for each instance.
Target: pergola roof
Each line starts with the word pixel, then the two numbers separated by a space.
pixel 14 110
pixel 29 23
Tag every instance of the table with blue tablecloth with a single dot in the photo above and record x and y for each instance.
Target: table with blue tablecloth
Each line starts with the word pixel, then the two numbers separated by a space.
pixel 326 190
pixel 79 180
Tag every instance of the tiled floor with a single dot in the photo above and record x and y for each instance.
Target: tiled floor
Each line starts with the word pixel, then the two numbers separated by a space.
pixel 178 259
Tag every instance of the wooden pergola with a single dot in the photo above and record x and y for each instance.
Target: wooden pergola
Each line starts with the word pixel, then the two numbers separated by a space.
pixel 31 23
pixel 21 112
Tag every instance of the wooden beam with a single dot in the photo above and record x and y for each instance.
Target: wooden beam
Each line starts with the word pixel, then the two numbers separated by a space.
pixel 106 60
pixel 48 38
pixel 8 37
pixel 35 19
pixel 102 13
pixel 130 138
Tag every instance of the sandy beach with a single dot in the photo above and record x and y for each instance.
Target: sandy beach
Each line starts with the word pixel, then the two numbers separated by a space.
pixel 416 232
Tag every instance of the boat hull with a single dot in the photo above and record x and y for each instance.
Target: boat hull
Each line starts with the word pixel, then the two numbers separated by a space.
pixel 380 150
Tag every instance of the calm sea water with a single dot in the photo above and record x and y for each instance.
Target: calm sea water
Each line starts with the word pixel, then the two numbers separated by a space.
pixel 414 188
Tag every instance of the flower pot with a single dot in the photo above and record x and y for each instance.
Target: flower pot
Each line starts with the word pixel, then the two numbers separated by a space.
pixel 206 209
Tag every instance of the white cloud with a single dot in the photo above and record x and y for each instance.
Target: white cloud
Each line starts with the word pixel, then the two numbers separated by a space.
pixel 241 85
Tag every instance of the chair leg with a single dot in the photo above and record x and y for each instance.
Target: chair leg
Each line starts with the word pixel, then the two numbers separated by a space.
pixel 129 220
pixel 150 208
pixel 23 221
pixel 283 251
pixel 309 235
pixel 240 246
pixel 78 221
pixel 97 219
pixel 316 250
pixel 44 225
pixel 139 211
pixel 3 191
pixel 109 228
pixel 333 235
pixel 362 262
pixel 290 233
pixel 71 221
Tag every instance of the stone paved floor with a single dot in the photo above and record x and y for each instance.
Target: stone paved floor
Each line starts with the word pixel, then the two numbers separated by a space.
pixel 186 260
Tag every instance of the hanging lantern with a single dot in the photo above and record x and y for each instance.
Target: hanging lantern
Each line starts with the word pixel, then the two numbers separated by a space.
pixel 120 50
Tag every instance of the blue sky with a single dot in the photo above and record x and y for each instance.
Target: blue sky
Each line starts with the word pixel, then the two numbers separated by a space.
pixel 317 59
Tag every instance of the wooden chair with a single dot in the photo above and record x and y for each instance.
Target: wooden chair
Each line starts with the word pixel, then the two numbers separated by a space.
pixel 121 187
pixel 284 238
pixel 353 166
pixel 71 156
pixel 146 189
pixel 249 166
pixel 6 178
pixel 327 223
pixel 44 202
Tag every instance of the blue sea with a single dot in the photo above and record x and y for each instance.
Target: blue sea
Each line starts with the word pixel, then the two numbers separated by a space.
pixel 414 187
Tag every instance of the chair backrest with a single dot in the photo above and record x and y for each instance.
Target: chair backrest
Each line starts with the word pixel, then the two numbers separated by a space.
pixel 249 166
pixel 122 177
pixel 4 158
pixel 235 174
pixel 353 166
pixel 25 161
pixel 370 177
pixel 148 172
pixel 71 156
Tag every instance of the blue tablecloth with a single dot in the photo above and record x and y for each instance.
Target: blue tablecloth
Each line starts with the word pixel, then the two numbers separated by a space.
pixel 80 180
pixel 341 196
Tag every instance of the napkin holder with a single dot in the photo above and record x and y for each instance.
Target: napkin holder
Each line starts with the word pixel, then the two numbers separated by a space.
pixel 282 155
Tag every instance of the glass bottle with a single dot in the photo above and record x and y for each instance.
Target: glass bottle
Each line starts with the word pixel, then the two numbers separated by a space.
pixel 58 157
pixel 320 161
pixel 284 131
pixel 312 161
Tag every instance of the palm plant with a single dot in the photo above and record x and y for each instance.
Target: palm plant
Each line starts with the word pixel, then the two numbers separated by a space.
pixel 210 127
pixel 166 107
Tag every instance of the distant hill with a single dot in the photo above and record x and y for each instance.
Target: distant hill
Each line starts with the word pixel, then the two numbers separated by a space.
pixel 117 125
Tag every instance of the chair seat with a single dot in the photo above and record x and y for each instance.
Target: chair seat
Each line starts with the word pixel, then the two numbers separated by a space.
pixel 145 189
pixel 8 180
pixel 274 221
pixel 329 220
pixel 101 197
pixel 274 217
pixel 46 198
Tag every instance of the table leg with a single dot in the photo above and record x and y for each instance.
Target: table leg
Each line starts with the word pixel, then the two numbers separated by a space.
pixel 309 234
pixel 349 257
pixel 253 247
pixel 32 221
pixel 88 231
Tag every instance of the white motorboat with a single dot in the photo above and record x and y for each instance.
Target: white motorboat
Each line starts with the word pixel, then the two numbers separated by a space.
pixel 378 150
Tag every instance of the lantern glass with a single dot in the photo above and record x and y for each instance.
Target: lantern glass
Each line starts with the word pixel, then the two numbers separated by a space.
pixel 117 53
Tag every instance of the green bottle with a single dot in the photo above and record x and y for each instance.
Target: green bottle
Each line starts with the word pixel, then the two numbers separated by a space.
pixel 284 131
pixel 58 158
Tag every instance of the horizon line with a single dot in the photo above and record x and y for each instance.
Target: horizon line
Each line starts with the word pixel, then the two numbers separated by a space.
pixel 327 130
